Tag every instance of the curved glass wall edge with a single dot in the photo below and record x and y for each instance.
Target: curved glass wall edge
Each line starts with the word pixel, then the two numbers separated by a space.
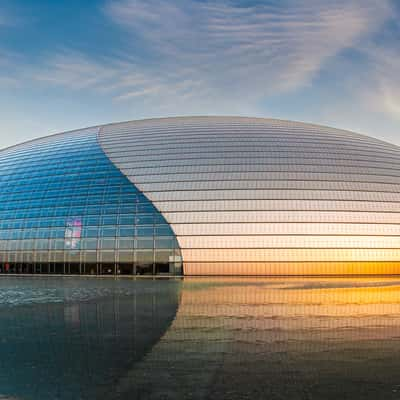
pixel 67 209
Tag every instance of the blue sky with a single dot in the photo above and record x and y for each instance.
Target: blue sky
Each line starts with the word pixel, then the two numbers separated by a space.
pixel 70 64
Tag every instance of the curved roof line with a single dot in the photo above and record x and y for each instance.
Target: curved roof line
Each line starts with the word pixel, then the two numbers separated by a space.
pixel 159 119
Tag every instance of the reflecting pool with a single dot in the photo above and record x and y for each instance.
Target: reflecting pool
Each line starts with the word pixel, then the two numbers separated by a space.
pixel 199 338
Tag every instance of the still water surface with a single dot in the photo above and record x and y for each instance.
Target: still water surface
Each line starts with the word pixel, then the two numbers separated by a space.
pixel 199 338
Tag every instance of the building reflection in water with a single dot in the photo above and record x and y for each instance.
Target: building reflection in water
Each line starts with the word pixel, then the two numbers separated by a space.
pixel 282 338
pixel 73 338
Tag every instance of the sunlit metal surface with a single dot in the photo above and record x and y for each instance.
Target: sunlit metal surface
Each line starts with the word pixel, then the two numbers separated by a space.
pixel 257 196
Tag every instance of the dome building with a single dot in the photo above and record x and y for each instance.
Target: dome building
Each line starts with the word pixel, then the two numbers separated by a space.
pixel 201 196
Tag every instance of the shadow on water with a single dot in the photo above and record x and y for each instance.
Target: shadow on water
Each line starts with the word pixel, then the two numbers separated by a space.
pixel 63 338
pixel 200 338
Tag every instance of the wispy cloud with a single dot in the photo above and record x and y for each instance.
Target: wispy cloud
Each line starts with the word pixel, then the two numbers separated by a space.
pixel 119 78
pixel 213 56
pixel 9 60
pixel 382 93
pixel 229 51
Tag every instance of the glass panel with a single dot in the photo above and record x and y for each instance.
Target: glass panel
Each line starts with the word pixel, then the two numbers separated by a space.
pixel 126 243
pixel 126 219
pixel 144 262
pixel 145 243
pixel 107 244
pixel 126 256
pixel 144 231
pixel 126 231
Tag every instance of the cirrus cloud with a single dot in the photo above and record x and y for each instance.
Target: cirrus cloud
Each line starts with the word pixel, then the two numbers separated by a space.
pixel 226 50
pixel 383 90
pixel 213 56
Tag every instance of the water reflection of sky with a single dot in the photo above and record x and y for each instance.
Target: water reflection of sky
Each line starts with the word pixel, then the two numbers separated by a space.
pixel 282 338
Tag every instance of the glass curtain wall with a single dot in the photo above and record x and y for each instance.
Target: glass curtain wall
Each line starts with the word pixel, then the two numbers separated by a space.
pixel 66 209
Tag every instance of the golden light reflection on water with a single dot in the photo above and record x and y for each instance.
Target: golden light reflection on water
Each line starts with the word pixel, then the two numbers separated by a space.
pixel 278 338
pixel 346 308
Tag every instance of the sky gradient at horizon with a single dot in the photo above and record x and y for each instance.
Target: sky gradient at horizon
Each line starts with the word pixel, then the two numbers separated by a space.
pixel 69 64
